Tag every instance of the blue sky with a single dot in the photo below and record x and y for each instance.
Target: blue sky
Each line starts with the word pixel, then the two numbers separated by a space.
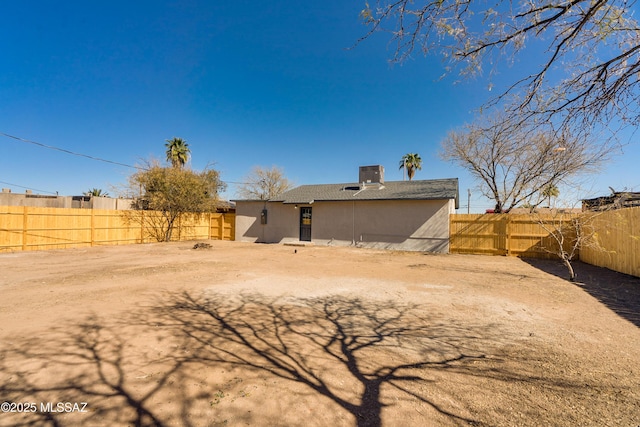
pixel 245 83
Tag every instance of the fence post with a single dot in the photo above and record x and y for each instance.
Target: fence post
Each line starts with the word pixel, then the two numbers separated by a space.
pixel 93 225
pixel 508 231
pixel 25 224
pixel 142 226
pixel 450 234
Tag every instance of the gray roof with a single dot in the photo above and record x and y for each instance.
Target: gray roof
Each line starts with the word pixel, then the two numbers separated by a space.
pixel 433 189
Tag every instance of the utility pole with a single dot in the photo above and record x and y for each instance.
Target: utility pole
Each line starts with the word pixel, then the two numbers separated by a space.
pixel 404 167
pixel 468 201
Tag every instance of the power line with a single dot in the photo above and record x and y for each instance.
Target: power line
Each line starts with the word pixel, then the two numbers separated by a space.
pixel 28 188
pixel 50 147
pixel 62 150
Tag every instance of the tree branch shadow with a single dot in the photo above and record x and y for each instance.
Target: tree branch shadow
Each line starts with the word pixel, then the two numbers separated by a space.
pixel 293 341
pixel 618 291
pixel 85 364
pixel 359 358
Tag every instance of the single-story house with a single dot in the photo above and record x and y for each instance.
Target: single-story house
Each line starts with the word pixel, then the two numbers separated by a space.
pixel 402 215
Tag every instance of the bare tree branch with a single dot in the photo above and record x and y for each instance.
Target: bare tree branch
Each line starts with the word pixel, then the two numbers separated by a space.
pixel 514 163
pixel 264 184
pixel 589 52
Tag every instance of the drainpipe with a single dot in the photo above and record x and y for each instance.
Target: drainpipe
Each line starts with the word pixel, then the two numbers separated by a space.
pixel 353 223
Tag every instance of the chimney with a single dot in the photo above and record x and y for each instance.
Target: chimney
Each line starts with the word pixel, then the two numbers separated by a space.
pixel 371 174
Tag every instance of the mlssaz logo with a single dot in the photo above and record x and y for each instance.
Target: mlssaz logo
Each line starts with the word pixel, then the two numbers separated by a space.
pixel 63 407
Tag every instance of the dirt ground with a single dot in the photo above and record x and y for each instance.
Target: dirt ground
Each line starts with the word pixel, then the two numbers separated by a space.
pixel 272 335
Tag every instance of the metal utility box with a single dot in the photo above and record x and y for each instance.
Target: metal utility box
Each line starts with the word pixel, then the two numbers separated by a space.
pixel 371 174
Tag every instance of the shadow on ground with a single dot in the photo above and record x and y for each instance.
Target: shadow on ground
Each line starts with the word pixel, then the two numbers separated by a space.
pixel 212 359
pixel 619 292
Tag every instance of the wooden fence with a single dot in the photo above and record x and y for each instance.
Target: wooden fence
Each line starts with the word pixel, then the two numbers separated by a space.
pixel 33 228
pixel 614 240
pixel 505 234
pixel 616 244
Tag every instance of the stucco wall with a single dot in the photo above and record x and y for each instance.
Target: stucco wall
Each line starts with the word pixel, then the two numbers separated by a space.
pixel 21 199
pixel 50 201
pixel 248 227
pixel 405 224
pixel 282 222
pixel 421 225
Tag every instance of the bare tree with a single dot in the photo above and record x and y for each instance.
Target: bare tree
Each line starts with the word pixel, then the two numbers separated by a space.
pixel 587 51
pixel 569 232
pixel 264 184
pixel 515 163
pixel 578 226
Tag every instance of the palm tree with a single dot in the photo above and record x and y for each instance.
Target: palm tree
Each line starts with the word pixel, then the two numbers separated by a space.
pixel 411 162
pixel 177 152
pixel 549 191
pixel 97 192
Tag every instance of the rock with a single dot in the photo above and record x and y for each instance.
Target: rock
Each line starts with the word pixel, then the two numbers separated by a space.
pixel 202 246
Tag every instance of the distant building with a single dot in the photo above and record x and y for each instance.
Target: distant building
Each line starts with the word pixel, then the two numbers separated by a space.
pixel 8 198
pixel 617 200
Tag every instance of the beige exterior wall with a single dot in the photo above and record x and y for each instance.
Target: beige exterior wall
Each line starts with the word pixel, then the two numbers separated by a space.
pixel 282 222
pixel 248 227
pixel 111 203
pixel 22 199
pixel 420 225
pixel 50 201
